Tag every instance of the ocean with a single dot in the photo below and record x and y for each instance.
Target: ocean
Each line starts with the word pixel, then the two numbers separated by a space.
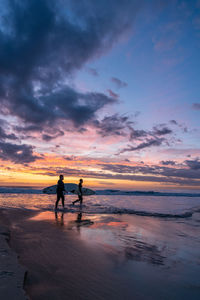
pixel 144 203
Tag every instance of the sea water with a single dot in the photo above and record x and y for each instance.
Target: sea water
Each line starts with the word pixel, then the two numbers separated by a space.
pixel 155 204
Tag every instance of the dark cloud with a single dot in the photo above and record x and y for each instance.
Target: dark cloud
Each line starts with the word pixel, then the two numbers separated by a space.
pixel 168 162
pixel 45 111
pixel 112 94
pixel 161 130
pixel 123 172
pixel 148 138
pixel 14 152
pixel 42 42
pixel 93 72
pixel 157 173
pixel 17 153
pixel 71 158
pixel 193 164
pixel 196 106
pixel 182 126
pixel 4 135
pixel 173 122
pixel 82 130
pixel 28 128
pixel 183 172
pixel 113 125
pixel 47 137
pixel 118 83
pixel 123 126
pixel 136 134
pixel 148 143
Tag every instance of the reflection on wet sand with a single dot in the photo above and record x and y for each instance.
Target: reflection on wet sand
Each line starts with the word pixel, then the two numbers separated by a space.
pixel 79 222
pixel 127 238
pixel 112 256
pixel 59 217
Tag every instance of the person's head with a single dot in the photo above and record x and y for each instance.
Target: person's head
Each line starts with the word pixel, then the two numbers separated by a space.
pixel 61 177
pixel 81 180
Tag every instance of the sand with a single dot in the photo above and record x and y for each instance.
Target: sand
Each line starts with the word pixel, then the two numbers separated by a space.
pixel 74 256
pixel 12 274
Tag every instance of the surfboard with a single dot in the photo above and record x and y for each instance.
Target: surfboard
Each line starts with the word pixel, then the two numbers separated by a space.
pixel 70 188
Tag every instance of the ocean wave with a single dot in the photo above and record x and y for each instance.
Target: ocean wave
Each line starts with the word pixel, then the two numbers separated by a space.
pixel 145 193
pixel 93 209
pixel 16 190
pixel 111 192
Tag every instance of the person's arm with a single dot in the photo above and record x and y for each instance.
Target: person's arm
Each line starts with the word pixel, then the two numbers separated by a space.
pixel 63 187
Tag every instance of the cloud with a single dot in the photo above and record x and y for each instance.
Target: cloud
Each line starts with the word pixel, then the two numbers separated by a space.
pixel 136 134
pixel 48 110
pixel 113 125
pixel 118 83
pixel 168 162
pixel 43 43
pixel 116 125
pixel 166 172
pixel 161 130
pixel 47 137
pixel 133 173
pixel 148 143
pixel 13 152
pixel 193 164
pixel 93 72
pixel 112 94
pixel 17 153
pixel 196 106
pixel 173 122
pixel 36 57
pixel 4 135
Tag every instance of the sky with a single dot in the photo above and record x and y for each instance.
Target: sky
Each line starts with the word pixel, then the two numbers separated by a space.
pixel 107 91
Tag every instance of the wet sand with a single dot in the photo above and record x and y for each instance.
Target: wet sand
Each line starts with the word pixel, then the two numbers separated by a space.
pixel 12 274
pixel 77 256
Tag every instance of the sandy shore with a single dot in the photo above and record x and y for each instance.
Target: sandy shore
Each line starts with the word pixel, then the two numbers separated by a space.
pixel 12 274
pixel 75 256
pixel 60 266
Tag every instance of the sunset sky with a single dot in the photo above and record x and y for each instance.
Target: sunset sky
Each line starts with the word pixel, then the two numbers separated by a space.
pixel 104 90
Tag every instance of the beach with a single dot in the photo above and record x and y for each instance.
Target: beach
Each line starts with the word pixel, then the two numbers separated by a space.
pixel 12 274
pixel 73 254
pixel 99 150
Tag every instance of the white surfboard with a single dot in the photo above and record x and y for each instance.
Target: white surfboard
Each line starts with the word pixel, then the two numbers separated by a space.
pixel 70 188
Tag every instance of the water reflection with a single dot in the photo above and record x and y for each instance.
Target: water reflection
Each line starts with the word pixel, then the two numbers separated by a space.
pixel 59 217
pixel 79 222
pixel 127 238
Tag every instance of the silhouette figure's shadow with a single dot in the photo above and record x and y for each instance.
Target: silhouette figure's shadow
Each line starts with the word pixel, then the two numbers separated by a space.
pixel 80 222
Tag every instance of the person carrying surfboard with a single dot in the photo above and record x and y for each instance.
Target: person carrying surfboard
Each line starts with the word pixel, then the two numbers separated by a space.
pixel 60 191
pixel 80 193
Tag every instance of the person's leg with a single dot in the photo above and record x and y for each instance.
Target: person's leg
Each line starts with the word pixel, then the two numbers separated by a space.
pixel 58 198
pixel 63 201
pixel 81 199
pixel 75 201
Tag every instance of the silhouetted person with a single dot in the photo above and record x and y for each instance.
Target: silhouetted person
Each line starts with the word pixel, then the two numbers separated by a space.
pixel 80 193
pixel 60 191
